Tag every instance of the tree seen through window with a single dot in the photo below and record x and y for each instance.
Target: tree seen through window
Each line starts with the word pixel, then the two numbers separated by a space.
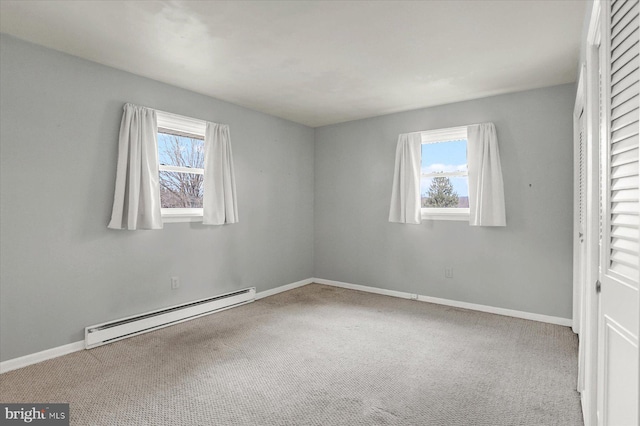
pixel 444 182
pixel 183 187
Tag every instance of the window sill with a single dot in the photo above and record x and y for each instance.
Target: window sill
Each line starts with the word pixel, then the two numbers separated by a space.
pixel 445 214
pixel 177 219
pixel 181 215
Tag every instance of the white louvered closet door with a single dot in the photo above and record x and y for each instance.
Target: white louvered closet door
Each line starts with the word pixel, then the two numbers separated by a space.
pixel 619 264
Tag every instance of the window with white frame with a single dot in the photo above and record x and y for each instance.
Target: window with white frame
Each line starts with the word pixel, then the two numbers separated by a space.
pixel 181 166
pixel 444 183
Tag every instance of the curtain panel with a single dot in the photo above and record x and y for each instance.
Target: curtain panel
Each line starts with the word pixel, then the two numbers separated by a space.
pixel 405 193
pixel 136 201
pixel 486 187
pixel 220 204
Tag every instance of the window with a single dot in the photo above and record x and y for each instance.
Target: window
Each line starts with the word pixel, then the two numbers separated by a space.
pixel 444 182
pixel 181 170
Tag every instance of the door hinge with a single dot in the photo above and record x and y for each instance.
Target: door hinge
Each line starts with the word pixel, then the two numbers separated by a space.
pixel 598 286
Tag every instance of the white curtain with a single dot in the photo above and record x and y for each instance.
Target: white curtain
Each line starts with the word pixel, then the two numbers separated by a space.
pixel 486 188
pixel 405 194
pixel 219 202
pixel 136 202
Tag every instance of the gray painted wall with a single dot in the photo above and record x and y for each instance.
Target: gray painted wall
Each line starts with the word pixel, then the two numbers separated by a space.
pixel 62 269
pixel 525 266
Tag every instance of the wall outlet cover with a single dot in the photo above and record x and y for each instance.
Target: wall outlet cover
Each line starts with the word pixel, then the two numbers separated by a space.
pixel 175 282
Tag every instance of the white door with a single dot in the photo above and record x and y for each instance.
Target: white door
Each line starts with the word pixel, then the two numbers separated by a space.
pixel 617 399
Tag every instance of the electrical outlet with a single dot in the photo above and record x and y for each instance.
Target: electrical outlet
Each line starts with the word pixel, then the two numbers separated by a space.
pixel 175 283
pixel 448 272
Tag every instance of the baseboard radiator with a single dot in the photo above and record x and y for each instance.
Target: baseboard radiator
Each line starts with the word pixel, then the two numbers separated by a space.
pixel 101 334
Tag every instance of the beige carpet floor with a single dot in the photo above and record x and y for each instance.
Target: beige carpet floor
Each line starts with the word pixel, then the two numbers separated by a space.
pixel 320 355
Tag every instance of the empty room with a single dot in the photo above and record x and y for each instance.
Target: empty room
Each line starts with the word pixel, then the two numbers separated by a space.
pixel 319 212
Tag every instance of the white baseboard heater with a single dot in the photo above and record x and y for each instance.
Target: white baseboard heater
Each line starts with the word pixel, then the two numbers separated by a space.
pixel 112 331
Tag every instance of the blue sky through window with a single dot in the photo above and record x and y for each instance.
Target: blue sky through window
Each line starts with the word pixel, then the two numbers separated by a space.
pixel 167 154
pixel 445 157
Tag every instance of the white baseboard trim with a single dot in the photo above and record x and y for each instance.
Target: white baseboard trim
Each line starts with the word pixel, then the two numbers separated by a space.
pixel 23 361
pixel 376 290
pixel 472 306
pixel 286 287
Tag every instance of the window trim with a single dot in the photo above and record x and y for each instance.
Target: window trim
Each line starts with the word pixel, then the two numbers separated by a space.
pixel 187 127
pixel 435 213
pixel 181 215
pixel 450 134
pixel 180 169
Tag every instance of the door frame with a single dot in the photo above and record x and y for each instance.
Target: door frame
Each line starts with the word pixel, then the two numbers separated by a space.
pixel 590 298
pixel 579 241
pixel 579 110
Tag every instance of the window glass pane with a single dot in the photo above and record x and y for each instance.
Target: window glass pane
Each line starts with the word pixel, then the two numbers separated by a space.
pixel 450 191
pixel 180 190
pixel 444 157
pixel 441 192
pixel 181 151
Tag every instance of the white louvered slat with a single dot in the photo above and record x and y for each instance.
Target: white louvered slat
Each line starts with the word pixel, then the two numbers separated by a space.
pixel 625 195
pixel 625 77
pixel 624 144
pixel 624 93
pixel 624 120
pixel 628 182
pixel 625 258
pixel 623 133
pixel 625 270
pixel 615 6
pixel 625 232
pixel 625 245
pixel 629 169
pixel 630 105
pixel 624 208
pixel 625 26
pixel 625 57
pixel 622 18
pixel 626 45
pixel 623 34
pixel 620 9
pixel 625 220
pixel 625 157
pixel 624 71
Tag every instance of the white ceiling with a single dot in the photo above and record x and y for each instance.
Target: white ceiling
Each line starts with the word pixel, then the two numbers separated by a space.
pixel 317 62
